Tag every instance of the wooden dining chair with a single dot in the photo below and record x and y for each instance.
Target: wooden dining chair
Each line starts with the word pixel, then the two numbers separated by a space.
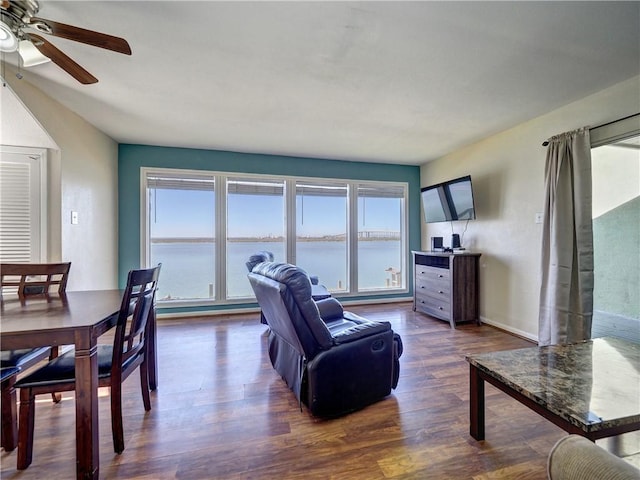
pixel 115 363
pixel 9 433
pixel 27 281
pixel 34 279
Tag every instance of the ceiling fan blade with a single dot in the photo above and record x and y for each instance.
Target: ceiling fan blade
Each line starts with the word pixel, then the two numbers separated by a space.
pixel 62 60
pixel 82 35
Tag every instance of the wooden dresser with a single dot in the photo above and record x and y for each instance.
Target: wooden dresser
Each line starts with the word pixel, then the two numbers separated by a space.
pixel 445 286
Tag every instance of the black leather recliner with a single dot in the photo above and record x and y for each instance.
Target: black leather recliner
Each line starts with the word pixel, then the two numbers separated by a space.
pixel 334 361
pixel 317 291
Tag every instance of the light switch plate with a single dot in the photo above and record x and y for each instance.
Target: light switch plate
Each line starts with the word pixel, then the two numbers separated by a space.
pixel 74 218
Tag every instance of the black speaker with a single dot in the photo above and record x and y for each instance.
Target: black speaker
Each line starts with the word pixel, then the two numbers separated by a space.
pixel 455 240
pixel 436 243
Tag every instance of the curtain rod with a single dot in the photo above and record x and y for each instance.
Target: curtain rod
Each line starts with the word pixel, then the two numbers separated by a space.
pixel 546 142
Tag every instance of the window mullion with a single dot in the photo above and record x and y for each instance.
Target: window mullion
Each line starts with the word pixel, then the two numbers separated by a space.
pixel 352 235
pixel 290 209
pixel 220 275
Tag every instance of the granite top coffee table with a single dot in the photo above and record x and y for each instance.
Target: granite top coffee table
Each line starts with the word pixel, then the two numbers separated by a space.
pixel 590 389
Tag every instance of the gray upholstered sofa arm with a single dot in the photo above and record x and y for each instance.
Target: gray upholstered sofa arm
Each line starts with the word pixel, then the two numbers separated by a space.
pixel 576 458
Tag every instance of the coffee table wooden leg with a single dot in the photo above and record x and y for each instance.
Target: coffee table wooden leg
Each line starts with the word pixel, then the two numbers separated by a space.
pixel 476 404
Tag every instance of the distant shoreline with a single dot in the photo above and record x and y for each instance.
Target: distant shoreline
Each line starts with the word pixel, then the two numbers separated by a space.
pixel 337 238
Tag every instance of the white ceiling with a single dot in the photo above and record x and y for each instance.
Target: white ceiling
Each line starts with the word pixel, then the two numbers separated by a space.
pixel 397 82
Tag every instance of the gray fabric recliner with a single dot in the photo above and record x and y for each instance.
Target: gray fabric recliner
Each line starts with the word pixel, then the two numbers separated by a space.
pixel 334 361
pixel 575 458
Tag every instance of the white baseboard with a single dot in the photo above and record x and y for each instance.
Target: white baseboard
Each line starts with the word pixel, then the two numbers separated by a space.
pixel 510 329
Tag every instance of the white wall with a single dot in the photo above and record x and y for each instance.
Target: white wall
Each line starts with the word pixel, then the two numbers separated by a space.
pixel 507 171
pixel 614 166
pixel 17 126
pixel 83 176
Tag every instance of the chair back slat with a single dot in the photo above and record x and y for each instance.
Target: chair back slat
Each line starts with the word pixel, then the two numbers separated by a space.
pixel 34 279
pixel 137 302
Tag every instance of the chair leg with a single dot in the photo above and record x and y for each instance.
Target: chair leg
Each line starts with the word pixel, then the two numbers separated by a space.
pixel 116 418
pixel 56 397
pixel 25 431
pixel 9 435
pixel 144 385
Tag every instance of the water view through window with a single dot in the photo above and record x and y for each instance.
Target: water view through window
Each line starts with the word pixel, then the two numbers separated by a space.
pixel 321 232
pixel 182 228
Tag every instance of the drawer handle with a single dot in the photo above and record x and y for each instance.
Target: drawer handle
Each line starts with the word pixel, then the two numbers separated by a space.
pixel 440 291
pixel 439 276
pixel 440 308
pixel 421 286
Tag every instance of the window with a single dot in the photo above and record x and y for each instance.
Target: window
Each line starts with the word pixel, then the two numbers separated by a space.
pixel 321 232
pixel 616 238
pixel 203 226
pixel 23 197
pixel 380 243
pixel 255 221
pixel 180 224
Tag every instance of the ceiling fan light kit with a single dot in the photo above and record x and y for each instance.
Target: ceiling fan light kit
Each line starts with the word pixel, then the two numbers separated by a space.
pixel 8 40
pixel 31 56
pixel 17 21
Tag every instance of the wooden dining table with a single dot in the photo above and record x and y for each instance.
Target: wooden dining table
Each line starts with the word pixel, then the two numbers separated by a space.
pixel 78 319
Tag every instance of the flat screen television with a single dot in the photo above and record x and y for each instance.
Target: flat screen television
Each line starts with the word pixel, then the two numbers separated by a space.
pixel 447 201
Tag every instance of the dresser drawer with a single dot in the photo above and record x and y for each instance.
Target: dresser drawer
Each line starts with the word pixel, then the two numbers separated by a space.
pixel 434 291
pixel 431 284
pixel 440 308
pixel 431 273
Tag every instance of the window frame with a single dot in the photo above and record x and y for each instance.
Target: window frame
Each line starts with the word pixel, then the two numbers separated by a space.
pixel 404 239
pixel 290 182
pixel 322 183
pixel 250 179
pixel 603 323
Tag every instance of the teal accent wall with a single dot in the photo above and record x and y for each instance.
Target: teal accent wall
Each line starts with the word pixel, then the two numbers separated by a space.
pixel 132 157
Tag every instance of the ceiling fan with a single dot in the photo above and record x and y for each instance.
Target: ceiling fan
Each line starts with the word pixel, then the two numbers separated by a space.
pixel 18 24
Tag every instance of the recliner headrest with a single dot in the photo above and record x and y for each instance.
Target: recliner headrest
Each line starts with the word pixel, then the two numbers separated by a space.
pixel 286 273
pixel 259 257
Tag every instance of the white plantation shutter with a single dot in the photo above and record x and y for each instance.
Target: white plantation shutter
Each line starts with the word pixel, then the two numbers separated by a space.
pixel 21 194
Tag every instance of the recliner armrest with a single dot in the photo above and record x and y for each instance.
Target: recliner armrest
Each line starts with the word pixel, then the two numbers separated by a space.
pixel 361 330
pixel 330 309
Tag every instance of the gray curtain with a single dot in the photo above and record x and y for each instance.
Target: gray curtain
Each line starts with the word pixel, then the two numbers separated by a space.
pixel 566 293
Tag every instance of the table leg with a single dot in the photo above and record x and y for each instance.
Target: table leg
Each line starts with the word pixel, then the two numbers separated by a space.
pixel 9 415
pixel 152 350
pixel 476 404
pixel 87 437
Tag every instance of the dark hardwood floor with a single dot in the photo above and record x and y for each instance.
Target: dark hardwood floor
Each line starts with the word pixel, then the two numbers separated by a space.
pixel 222 412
